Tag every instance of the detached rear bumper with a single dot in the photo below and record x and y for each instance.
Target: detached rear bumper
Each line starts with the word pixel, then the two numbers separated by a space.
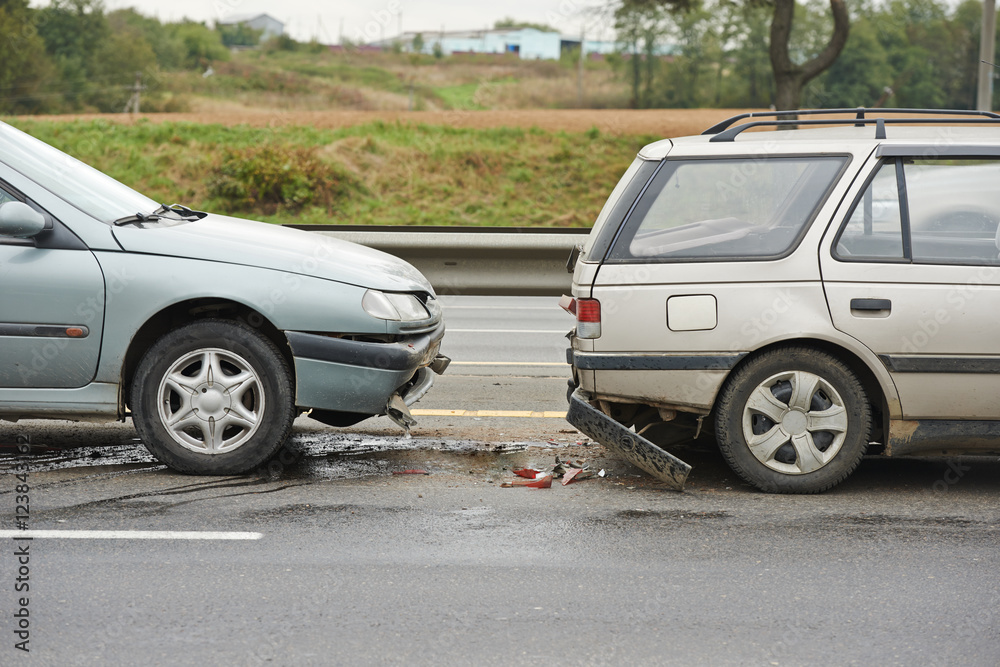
pixel 358 376
pixel 627 444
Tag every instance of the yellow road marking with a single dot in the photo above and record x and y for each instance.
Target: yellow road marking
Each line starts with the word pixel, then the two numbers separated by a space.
pixel 548 414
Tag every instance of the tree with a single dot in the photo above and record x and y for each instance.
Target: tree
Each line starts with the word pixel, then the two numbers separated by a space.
pixel 510 23
pixel 790 77
pixel 24 65
pixel 239 34
pixel 201 44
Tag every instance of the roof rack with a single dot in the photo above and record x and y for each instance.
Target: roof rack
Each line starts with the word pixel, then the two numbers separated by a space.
pixel 725 131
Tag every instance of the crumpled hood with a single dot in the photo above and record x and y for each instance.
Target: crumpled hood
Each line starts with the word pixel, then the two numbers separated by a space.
pixel 219 238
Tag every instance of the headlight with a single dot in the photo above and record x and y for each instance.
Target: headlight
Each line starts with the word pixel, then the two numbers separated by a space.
pixel 395 307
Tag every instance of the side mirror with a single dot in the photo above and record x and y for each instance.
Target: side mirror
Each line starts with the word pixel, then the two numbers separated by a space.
pixel 20 220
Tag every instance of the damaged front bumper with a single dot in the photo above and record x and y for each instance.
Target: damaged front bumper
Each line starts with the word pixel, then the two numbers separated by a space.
pixel 625 443
pixel 362 377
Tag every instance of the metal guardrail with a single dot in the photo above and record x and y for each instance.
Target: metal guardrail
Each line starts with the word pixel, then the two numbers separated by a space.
pixel 512 261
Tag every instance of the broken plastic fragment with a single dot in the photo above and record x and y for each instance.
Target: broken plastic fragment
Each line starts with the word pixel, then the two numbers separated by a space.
pixel 410 472
pixel 528 473
pixel 397 410
pixel 543 482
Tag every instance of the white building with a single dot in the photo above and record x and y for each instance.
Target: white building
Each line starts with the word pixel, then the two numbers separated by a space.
pixel 527 43
pixel 267 24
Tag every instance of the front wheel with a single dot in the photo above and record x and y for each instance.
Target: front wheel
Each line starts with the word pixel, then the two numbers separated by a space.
pixel 793 420
pixel 213 397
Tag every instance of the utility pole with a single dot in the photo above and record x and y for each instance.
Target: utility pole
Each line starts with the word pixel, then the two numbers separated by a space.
pixel 579 69
pixel 132 106
pixel 987 56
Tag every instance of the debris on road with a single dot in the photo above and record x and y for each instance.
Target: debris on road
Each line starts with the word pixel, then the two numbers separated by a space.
pixel 568 471
pixel 410 472
pixel 544 481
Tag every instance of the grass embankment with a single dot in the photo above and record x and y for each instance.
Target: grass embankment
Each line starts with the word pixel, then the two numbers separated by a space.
pixel 322 80
pixel 374 174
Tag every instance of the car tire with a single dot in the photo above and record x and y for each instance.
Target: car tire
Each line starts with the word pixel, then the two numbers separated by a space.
pixel 793 420
pixel 213 397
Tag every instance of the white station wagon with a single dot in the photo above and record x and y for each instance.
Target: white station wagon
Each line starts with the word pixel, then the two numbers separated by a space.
pixel 807 294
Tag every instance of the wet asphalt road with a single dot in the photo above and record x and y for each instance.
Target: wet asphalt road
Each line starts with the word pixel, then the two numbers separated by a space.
pixel 355 565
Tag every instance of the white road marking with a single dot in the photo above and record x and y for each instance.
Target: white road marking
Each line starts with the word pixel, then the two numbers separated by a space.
pixel 541 331
pixel 129 535
pixel 547 414
pixel 508 363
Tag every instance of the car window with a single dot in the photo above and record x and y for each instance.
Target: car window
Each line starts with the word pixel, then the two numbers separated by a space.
pixel 6 197
pixel 874 229
pixel 617 207
pixel 954 208
pixel 950 216
pixel 727 209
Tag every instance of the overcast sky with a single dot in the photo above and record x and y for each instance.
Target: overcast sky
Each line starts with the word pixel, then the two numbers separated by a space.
pixel 308 19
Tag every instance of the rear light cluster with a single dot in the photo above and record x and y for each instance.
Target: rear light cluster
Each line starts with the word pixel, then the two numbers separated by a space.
pixel 588 316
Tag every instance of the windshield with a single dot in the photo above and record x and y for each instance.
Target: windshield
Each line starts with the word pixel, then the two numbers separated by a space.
pixel 94 193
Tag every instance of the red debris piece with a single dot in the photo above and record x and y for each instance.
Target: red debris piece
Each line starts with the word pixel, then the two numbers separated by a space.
pixel 410 472
pixel 571 475
pixel 541 483
pixel 527 473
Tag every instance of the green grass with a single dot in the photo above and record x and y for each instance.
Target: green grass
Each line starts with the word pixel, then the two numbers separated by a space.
pixel 464 96
pixel 406 174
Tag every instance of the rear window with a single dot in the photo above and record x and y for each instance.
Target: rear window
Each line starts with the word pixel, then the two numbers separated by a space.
pixel 616 208
pixel 735 208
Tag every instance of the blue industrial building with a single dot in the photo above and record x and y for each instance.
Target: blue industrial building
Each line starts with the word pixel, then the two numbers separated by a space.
pixel 526 43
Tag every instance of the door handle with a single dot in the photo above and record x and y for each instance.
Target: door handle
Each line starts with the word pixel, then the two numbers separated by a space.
pixel 871 304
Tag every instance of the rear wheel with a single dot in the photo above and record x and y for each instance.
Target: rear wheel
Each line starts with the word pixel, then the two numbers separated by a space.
pixel 793 420
pixel 213 397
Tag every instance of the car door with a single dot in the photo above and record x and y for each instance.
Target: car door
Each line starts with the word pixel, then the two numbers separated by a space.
pixel 51 307
pixel 913 273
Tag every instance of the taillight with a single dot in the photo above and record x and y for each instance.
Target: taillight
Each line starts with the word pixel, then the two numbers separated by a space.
pixel 588 318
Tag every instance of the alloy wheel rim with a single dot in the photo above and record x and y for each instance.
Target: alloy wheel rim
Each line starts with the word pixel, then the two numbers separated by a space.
pixel 211 401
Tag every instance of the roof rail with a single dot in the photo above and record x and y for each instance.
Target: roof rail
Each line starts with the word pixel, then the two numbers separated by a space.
pixel 725 131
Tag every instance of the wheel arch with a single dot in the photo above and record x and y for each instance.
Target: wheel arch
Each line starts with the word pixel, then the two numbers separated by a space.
pixel 183 312
pixel 877 395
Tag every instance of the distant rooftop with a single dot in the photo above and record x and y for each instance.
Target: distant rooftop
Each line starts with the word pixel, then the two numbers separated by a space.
pixel 245 18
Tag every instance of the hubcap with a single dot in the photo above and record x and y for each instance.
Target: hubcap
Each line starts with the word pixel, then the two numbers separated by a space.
pixel 211 401
pixel 795 422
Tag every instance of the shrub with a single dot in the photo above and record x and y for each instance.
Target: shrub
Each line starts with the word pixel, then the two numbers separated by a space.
pixel 272 177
